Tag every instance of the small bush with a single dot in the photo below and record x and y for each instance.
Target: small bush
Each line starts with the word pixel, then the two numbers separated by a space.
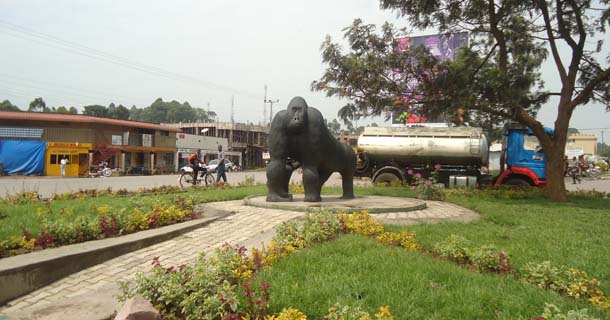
pixel 551 312
pixel 405 239
pixel 489 258
pixel 360 223
pixel 568 281
pixel 454 248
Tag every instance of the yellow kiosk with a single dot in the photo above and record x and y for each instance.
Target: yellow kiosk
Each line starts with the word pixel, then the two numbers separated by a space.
pixel 76 153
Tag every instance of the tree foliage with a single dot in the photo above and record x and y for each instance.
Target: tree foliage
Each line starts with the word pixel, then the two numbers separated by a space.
pixel 38 105
pixel 495 79
pixel 8 106
pixel 171 112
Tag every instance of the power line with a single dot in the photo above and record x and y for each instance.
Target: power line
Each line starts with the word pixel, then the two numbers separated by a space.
pixel 585 129
pixel 105 95
pixel 75 48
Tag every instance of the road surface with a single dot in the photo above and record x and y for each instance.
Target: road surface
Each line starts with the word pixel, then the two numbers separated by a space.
pixel 47 186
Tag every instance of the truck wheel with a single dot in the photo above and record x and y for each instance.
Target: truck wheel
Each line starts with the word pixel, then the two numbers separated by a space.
pixel 387 178
pixel 518 182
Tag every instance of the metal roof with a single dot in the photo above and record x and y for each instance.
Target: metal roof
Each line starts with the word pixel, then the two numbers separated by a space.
pixel 79 118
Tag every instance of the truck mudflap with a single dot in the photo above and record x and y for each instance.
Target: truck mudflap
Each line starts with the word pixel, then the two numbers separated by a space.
pixel 516 172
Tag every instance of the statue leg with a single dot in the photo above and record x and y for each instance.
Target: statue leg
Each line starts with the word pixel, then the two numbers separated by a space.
pixel 277 178
pixel 324 175
pixel 347 180
pixel 311 182
pixel 347 175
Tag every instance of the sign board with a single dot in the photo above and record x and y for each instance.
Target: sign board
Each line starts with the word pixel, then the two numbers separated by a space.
pixel 266 156
pixel 126 138
pixel 147 140
pixel 574 152
pixel 117 140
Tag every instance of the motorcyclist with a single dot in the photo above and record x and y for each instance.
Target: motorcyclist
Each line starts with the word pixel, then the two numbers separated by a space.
pixel 194 164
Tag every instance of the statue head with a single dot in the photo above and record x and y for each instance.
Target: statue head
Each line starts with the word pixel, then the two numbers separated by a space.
pixel 297 113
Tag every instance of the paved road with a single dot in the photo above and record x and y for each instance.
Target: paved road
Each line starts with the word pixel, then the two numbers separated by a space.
pixel 47 186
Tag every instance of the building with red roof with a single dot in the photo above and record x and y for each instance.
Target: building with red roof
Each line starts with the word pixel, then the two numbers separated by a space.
pixel 85 141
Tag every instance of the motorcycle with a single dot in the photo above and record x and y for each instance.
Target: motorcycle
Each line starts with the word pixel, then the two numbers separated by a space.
pixel 186 176
pixel 102 170
pixel 591 171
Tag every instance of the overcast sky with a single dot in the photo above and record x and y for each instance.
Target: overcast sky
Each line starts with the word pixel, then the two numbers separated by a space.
pixel 213 50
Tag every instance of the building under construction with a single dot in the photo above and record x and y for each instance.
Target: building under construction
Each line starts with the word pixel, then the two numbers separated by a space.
pixel 248 139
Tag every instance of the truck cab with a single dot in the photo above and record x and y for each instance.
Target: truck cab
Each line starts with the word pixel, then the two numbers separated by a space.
pixel 524 157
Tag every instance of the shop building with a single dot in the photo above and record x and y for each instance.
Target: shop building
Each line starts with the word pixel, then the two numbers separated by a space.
pixel 248 140
pixel 130 147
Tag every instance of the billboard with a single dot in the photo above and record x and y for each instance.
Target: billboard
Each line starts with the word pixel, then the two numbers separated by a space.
pixel 443 47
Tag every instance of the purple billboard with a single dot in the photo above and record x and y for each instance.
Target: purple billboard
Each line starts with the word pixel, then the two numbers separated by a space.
pixel 441 46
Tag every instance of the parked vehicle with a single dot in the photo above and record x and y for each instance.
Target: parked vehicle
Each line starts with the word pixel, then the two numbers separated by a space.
pixel 458 154
pixel 101 170
pixel 187 176
pixel 229 166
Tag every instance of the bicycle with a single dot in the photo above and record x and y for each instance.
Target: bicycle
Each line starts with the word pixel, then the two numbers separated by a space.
pixel 186 178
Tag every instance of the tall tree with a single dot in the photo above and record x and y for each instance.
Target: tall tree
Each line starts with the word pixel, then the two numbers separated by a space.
pixel 37 105
pixel 495 79
pixel 72 110
pixel 95 110
pixel 8 106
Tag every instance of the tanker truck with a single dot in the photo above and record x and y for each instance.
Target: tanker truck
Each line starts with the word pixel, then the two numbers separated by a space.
pixel 457 154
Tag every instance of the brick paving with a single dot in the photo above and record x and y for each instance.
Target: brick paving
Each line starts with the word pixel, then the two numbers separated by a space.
pixel 246 224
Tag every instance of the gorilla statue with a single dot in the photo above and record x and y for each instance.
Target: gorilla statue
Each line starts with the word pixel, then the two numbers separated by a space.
pixel 299 137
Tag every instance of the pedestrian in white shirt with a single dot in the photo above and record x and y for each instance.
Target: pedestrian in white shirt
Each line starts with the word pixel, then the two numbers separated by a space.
pixel 62 164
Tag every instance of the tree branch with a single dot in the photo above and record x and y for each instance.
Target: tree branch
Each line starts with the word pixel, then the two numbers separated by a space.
pixel 586 92
pixel 547 21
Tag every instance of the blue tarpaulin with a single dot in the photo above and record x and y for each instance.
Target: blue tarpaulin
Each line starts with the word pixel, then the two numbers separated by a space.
pixel 22 156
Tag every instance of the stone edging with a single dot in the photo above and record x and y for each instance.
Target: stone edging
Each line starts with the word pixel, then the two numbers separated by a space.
pixel 421 205
pixel 27 272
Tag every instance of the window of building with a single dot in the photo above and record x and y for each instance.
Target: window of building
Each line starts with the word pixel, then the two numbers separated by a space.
pixel 53 159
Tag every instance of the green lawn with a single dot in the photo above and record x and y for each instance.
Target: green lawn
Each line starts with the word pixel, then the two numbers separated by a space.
pixel 357 270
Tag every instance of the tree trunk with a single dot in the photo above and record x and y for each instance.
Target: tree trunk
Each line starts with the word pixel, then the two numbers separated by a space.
pixel 555 166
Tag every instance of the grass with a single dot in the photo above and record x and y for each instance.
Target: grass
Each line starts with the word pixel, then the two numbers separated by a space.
pixel 575 234
pixel 356 270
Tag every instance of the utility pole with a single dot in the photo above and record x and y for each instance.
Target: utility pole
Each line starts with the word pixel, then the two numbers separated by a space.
pixel 232 109
pixel 270 102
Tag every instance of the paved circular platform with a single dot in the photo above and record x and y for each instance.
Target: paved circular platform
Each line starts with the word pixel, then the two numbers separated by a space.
pixel 373 204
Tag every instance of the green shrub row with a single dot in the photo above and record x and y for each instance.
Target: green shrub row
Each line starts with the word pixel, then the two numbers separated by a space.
pixel 109 222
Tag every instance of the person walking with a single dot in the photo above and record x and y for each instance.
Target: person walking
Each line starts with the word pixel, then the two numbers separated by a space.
pixel 220 170
pixel 62 165
pixel 575 171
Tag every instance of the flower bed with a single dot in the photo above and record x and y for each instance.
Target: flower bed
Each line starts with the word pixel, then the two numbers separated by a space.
pixel 215 294
pixel 107 222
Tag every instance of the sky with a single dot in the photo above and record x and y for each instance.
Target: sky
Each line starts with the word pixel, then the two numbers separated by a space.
pixel 76 53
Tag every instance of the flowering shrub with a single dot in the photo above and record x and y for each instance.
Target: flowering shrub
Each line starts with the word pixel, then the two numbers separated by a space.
pixel 109 222
pixel 489 258
pixel 188 292
pixel 551 312
pixel 360 223
pixel 427 188
pixel 569 281
pixel 22 198
pixel 346 312
pixel 454 248
pixel 296 188
pixel 405 239
pixel 288 314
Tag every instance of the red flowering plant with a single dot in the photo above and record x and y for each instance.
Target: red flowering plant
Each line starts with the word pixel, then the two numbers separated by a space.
pixel 428 187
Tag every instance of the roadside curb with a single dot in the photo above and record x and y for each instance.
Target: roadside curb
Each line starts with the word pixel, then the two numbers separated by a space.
pixel 24 273
pixel 249 201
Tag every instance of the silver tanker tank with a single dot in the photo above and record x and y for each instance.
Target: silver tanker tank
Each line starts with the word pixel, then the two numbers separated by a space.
pixel 425 145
